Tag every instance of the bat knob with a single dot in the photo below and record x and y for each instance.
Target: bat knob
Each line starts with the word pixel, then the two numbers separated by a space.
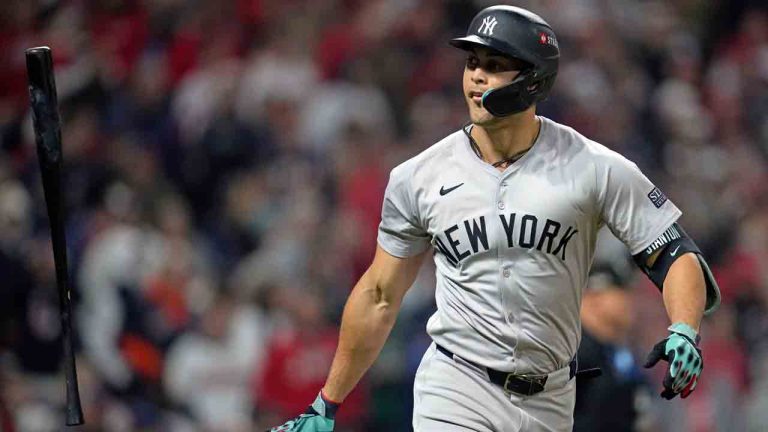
pixel 74 416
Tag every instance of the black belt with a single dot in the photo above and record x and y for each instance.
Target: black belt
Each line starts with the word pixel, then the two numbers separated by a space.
pixel 522 384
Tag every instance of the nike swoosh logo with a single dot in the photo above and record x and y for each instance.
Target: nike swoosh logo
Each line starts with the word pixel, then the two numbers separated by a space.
pixel 444 191
pixel 674 252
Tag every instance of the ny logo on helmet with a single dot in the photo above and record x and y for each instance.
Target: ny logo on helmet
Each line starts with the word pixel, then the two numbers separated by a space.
pixel 486 27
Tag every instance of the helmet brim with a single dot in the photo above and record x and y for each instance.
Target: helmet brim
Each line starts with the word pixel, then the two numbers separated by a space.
pixel 468 43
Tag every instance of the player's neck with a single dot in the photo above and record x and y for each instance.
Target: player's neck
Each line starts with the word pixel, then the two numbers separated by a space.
pixel 514 135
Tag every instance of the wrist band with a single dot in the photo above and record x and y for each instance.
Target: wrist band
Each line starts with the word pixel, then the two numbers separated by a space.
pixel 684 329
pixel 327 399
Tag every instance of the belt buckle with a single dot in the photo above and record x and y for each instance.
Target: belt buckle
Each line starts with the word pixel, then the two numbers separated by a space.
pixel 531 384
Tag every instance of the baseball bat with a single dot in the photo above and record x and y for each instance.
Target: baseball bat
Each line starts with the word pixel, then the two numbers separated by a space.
pixel 47 125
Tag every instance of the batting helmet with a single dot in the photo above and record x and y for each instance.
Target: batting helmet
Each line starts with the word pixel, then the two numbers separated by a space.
pixel 523 35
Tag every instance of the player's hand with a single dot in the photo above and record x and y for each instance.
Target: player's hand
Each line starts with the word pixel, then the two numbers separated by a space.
pixel 681 351
pixel 319 417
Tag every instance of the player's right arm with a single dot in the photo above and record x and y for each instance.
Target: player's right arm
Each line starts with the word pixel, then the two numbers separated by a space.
pixel 372 306
pixel 374 302
pixel 368 318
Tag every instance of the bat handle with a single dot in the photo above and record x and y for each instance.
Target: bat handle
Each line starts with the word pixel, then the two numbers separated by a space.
pixel 74 414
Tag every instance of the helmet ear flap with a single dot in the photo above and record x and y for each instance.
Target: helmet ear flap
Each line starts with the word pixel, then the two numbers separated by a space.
pixel 539 85
pixel 543 86
pixel 513 97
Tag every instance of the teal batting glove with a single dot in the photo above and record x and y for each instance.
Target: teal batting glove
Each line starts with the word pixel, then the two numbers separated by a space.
pixel 319 417
pixel 680 349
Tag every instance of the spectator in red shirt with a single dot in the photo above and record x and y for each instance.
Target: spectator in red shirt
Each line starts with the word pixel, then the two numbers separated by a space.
pixel 297 362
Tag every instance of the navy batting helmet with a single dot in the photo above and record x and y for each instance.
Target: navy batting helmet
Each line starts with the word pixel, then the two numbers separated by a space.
pixel 523 35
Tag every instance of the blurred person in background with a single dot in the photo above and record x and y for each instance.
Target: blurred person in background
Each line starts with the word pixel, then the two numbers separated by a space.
pixel 141 281
pixel 117 259
pixel 207 370
pixel 16 306
pixel 15 271
pixel 619 399
pixel 297 360
pixel 29 316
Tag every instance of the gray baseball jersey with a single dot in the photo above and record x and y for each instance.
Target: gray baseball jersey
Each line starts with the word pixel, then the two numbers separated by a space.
pixel 513 248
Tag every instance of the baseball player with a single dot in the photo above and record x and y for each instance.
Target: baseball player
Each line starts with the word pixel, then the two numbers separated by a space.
pixel 511 205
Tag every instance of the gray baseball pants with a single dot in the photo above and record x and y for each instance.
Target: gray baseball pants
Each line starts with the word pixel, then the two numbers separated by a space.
pixel 452 395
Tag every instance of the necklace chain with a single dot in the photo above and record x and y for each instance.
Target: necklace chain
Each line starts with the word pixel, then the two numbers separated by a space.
pixel 508 161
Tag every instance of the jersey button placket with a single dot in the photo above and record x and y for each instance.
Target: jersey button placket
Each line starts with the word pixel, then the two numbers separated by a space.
pixel 500 204
pixel 506 272
pixel 509 286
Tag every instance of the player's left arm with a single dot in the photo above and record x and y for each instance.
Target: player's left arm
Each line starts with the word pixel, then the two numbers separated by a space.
pixel 684 291
pixel 675 264
pixel 634 208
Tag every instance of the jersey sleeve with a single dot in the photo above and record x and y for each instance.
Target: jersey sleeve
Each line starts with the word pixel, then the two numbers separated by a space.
pixel 400 232
pixel 635 210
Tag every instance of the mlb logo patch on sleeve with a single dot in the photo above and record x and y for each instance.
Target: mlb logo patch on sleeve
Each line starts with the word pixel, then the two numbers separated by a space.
pixel 657 197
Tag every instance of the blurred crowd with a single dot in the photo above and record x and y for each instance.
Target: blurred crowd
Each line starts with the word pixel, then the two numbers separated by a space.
pixel 224 169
